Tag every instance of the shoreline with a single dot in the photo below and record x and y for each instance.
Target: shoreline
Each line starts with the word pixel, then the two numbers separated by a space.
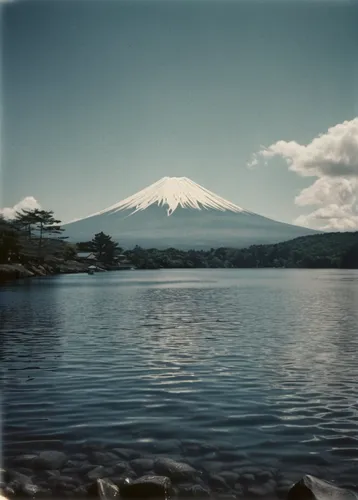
pixel 92 470
pixel 16 271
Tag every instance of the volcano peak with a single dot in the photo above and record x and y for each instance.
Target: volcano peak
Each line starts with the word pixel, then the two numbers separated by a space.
pixel 174 192
pixel 178 212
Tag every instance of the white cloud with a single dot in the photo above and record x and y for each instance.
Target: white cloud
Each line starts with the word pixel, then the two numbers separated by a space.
pixel 333 159
pixel 332 218
pixel 28 203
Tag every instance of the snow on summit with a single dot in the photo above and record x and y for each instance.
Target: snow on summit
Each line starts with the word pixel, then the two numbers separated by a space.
pixel 177 212
pixel 173 192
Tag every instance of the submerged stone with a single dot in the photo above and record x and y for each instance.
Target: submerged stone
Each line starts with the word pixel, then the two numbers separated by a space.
pixel 18 478
pixel 125 453
pixel 32 490
pixel 174 470
pixel 193 490
pixel 27 460
pixel 51 460
pixel 218 483
pixel 79 457
pixel 142 464
pixel 263 490
pixel 103 458
pixel 230 477
pixel 122 468
pixel 98 472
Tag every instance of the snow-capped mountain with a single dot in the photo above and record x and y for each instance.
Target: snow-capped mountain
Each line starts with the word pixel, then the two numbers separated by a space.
pixel 177 212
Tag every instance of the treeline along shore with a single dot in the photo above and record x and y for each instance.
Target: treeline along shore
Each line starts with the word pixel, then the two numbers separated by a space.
pixel 32 244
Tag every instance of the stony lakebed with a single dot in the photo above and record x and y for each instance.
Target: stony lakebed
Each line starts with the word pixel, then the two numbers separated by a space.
pixel 96 471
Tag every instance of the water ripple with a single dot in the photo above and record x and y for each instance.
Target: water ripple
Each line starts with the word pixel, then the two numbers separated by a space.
pixel 264 362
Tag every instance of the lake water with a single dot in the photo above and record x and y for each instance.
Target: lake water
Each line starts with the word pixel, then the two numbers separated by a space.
pixel 252 366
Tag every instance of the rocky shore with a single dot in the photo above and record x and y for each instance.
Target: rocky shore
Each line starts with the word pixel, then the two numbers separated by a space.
pixel 9 272
pixel 124 473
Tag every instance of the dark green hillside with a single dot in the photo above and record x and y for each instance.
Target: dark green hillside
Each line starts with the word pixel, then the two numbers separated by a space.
pixel 327 250
pixel 314 251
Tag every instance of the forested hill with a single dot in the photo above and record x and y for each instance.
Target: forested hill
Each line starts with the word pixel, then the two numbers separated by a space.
pixel 326 250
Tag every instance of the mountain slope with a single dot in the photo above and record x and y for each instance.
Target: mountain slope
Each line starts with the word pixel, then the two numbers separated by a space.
pixel 177 212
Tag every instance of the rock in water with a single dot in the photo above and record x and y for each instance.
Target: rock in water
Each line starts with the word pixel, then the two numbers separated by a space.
pixel 51 460
pixel 98 472
pixel 26 460
pixel 103 458
pixel 192 491
pixel 312 488
pixel 157 487
pixel 107 490
pixel 174 470
pixel 31 490
pixel 142 465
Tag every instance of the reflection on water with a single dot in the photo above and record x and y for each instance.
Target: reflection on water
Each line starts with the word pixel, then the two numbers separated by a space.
pixel 262 360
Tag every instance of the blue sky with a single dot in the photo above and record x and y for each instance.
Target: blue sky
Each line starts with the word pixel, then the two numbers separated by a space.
pixel 101 98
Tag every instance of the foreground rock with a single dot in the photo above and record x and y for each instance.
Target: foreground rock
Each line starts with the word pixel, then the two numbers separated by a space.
pixel 157 487
pixel 312 488
pixel 98 472
pixel 10 272
pixel 106 489
pixel 14 271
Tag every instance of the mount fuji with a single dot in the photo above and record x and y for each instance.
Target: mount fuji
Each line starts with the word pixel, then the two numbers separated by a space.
pixel 177 212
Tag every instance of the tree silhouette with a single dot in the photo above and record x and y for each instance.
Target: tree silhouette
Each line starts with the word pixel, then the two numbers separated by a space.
pixel 26 220
pixel 9 241
pixel 39 223
pixel 105 248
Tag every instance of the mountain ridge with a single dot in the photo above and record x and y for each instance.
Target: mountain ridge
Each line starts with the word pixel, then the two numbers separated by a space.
pixel 176 211
pixel 174 192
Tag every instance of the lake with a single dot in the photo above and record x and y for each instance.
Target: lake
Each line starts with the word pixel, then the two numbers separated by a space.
pixel 218 368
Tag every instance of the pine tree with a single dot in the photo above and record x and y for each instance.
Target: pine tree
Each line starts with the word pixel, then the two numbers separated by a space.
pixel 26 220
pixel 39 223
pixel 46 224
pixel 105 248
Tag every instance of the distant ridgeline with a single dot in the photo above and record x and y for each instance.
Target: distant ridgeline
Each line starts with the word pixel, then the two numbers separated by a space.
pixel 36 237
pixel 327 250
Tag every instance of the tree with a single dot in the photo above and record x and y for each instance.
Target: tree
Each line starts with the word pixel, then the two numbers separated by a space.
pixel 9 241
pixel 105 248
pixel 38 223
pixel 70 252
pixel 46 224
pixel 349 259
pixel 26 220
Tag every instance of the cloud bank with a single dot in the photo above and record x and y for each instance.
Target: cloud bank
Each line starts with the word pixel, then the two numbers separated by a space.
pixel 333 159
pixel 28 203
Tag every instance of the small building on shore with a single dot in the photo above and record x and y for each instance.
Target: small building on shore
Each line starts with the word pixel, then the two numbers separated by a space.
pixel 120 260
pixel 86 256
